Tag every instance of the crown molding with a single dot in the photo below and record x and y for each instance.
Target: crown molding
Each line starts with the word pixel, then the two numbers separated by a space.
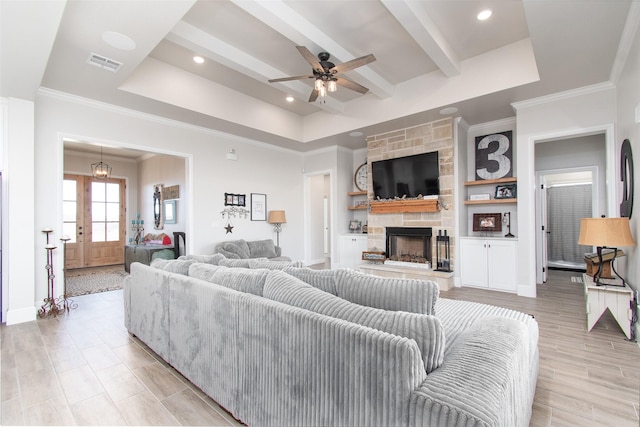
pixel 508 122
pixel 568 94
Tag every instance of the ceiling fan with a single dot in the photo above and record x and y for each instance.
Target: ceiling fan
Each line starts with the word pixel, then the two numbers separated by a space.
pixel 326 73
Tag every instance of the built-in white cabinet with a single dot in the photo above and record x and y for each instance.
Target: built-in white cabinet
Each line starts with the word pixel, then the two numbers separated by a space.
pixel 489 263
pixel 350 248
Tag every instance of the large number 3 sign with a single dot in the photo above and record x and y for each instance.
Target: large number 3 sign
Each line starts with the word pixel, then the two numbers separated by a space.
pixel 494 156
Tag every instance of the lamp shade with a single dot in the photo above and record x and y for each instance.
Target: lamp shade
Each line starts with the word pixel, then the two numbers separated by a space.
pixel 277 217
pixel 611 232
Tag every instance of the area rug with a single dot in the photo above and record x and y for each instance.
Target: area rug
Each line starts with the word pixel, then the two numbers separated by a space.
pixel 94 282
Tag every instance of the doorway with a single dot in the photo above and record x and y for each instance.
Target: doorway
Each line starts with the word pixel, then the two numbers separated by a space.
pixel 94 219
pixel 569 198
pixel 318 219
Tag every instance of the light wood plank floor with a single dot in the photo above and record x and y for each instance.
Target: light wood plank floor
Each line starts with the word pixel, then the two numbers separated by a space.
pixel 84 369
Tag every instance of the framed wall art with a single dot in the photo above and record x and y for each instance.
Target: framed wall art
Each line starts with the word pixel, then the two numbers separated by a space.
pixel 487 222
pixel 494 155
pixel 258 207
pixel 231 199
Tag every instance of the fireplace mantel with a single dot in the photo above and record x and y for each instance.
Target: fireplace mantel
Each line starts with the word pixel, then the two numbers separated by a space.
pixel 404 206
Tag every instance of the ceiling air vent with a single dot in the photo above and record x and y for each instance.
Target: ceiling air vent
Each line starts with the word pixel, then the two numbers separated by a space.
pixel 104 62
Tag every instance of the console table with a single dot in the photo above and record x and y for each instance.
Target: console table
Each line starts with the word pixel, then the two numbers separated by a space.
pixel 618 299
pixel 141 253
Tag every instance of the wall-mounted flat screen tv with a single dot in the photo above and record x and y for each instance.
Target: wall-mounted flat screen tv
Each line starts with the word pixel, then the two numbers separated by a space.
pixel 408 176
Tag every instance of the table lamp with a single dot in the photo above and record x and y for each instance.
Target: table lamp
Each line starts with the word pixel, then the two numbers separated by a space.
pixel 605 233
pixel 277 218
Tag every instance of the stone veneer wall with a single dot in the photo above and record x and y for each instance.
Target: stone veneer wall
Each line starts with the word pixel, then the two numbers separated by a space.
pixel 437 135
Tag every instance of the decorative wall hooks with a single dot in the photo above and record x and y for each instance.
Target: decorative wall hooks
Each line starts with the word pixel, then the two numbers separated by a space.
pixel 235 212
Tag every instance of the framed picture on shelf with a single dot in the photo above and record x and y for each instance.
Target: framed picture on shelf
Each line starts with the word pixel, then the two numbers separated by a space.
pixel 487 222
pixel 507 191
pixel 258 207
pixel 355 226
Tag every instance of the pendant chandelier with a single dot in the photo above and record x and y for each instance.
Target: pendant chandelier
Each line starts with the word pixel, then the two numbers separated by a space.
pixel 100 169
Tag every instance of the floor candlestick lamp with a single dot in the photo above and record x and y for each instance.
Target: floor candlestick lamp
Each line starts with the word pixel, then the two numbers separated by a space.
pixel 277 218
pixel 605 233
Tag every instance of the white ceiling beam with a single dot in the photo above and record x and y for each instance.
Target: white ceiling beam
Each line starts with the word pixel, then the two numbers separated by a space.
pixel 412 16
pixel 193 38
pixel 298 29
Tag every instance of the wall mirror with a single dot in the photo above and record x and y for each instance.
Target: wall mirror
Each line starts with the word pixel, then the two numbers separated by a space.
pixel 158 224
pixel 169 211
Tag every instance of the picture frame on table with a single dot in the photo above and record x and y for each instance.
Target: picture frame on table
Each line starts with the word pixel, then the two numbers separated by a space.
pixel 506 191
pixel 487 222
pixel 258 207
pixel 355 226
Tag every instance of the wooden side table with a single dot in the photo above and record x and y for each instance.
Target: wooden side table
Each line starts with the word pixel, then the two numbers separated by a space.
pixel 618 299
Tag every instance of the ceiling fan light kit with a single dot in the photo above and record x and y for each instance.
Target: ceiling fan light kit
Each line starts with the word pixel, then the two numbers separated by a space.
pixel 326 73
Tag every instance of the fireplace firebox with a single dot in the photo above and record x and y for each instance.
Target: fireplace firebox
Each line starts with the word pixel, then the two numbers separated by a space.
pixel 409 244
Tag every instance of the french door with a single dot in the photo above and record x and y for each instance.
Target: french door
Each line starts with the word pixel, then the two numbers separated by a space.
pixel 94 219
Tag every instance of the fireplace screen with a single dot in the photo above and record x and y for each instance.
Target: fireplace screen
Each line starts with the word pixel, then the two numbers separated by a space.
pixel 409 244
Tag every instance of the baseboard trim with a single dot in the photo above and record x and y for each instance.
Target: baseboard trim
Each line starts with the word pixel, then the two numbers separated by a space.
pixel 21 315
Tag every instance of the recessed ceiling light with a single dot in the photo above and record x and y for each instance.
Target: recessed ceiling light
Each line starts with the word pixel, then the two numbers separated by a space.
pixel 118 40
pixel 485 14
pixel 198 59
pixel 448 110
pixel 356 134
pixel 289 98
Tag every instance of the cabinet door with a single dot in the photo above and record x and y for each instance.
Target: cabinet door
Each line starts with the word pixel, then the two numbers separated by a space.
pixel 502 265
pixel 473 268
pixel 350 250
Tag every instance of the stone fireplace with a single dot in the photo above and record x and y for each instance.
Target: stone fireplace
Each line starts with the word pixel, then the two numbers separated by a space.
pixel 409 244
pixel 428 137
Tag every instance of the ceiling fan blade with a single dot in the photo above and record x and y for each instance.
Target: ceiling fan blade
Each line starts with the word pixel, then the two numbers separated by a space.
pixel 354 63
pixel 314 95
pixel 286 79
pixel 351 85
pixel 310 57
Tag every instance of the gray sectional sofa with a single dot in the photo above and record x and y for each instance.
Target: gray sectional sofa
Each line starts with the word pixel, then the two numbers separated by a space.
pixel 242 249
pixel 334 347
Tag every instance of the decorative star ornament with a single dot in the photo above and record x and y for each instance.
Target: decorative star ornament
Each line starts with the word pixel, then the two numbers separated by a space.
pixel 229 228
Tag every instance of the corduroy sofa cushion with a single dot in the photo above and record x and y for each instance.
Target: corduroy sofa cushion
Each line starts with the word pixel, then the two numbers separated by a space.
pixel 240 279
pixel 241 263
pixel 273 265
pixel 203 271
pixel 325 280
pixel 414 296
pixel 426 330
pixel 209 259
pixel 262 249
pixel 180 266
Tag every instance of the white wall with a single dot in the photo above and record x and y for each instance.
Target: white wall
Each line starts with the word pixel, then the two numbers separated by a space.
pixel 570 153
pixel 39 172
pixel 582 112
pixel 21 239
pixel 628 127
pixel 168 171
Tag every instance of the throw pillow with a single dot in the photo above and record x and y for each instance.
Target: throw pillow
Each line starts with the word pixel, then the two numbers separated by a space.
pixel 325 280
pixel 262 249
pixel 208 259
pixel 426 330
pixel 414 296
pixel 237 249
pixel 180 266
pixel 273 265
